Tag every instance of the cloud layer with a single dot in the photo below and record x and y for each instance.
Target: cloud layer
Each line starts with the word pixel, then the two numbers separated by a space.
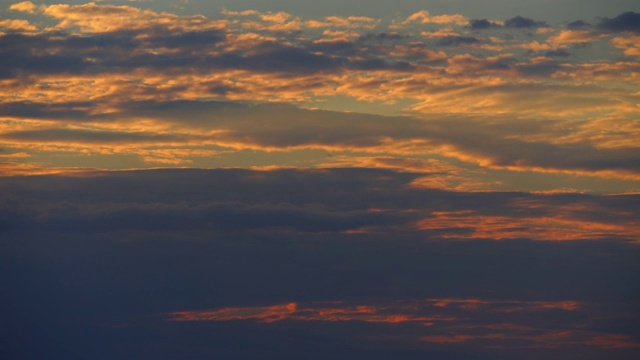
pixel 360 254
pixel 103 79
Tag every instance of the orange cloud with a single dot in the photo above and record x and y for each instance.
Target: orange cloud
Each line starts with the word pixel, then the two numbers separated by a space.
pixel 261 313
pixel 445 321
pixel 559 227
pixel 17 25
pixel 424 17
pixel 425 312
pixel 346 22
pixel 95 18
pixel 440 33
pixel 573 36
pixel 630 45
pixel 30 169
pixel 25 6
pixel 321 68
pixel 282 21
pixel 298 312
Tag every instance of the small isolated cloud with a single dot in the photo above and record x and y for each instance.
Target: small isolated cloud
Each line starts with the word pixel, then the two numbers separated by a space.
pixel 520 22
pixel 25 6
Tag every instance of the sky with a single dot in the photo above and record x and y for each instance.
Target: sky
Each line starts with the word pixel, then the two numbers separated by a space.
pixel 340 179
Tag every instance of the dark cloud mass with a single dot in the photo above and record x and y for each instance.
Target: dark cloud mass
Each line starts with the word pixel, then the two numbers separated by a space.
pixel 107 256
pixel 628 21
pixel 124 50
pixel 519 22
pixel 482 24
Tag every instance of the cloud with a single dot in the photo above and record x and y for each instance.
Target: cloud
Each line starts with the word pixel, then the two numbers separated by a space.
pixel 424 17
pixel 22 26
pixel 519 22
pixel 281 22
pixel 578 25
pixel 458 40
pixel 25 6
pixel 293 253
pixel 483 24
pixel 439 323
pixel 420 311
pixel 269 127
pixel 557 53
pixel 626 22
pixel 187 57
pixel 371 233
pixel 66 111
pixel 572 37
pixel 629 45
pixel 97 83
pixel 94 18
pixel 243 201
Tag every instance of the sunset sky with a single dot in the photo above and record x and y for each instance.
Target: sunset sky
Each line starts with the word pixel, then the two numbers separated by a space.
pixel 352 179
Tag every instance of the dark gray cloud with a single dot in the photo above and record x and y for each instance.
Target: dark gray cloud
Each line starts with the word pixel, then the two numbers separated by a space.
pixel 578 25
pixel 627 21
pixel 329 200
pixel 93 137
pixel 161 49
pixel 18 54
pixel 63 111
pixel 557 53
pixel 382 36
pixel 458 40
pixel 188 40
pixel 95 262
pixel 519 22
pixel 482 24
pixel 545 68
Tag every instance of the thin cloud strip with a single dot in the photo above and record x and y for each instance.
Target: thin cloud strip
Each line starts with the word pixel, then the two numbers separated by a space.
pixel 475 323
pixel 483 141
pixel 402 207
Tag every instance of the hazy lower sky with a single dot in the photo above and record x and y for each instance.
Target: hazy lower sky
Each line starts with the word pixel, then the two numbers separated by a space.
pixel 338 179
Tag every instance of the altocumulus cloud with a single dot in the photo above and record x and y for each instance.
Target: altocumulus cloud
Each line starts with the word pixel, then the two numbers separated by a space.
pixel 341 198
